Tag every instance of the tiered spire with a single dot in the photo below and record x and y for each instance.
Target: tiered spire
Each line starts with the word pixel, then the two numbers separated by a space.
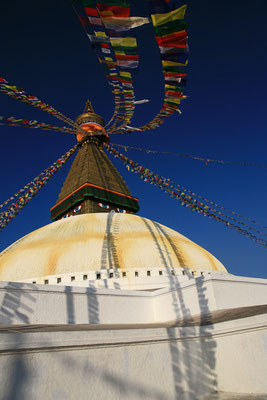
pixel 93 184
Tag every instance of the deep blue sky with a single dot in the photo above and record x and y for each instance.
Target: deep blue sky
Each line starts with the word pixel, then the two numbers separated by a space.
pixel 45 51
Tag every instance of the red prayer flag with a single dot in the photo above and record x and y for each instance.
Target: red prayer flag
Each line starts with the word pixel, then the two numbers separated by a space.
pixel 176 94
pixel 178 39
pixel 173 74
pixel 113 11
pixel 126 57
pixel 92 12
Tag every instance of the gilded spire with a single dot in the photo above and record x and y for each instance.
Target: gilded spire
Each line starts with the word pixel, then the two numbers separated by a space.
pixel 92 124
pixel 88 108
pixel 89 116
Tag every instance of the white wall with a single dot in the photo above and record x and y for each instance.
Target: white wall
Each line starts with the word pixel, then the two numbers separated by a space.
pixel 61 342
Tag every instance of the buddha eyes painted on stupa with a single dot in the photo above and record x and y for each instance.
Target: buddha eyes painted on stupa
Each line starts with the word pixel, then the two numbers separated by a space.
pixel 110 208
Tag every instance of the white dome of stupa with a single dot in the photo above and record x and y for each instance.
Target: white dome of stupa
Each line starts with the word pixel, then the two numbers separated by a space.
pixel 101 241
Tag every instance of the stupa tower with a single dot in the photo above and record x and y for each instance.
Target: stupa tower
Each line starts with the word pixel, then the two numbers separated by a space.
pixel 93 185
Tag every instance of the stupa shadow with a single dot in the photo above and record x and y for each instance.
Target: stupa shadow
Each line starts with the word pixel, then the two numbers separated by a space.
pixel 16 304
pixel 192 349
pixel 70 305
pixel 93 306
pixel 109 253
pixel 16 309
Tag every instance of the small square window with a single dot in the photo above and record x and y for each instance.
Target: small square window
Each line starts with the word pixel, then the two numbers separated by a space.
pixel 34 282
pixel 98 276
pixel 172 272
pixel 85 277
pixel 58 280
pixel 46 281
pixel 124 274
pixel 148 273
pixel 136 273
pixel 160 273
pixel 72 278
pixel 111 274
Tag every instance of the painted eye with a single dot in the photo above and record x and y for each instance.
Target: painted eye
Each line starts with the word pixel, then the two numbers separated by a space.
pixel 120 210
pixel 106 206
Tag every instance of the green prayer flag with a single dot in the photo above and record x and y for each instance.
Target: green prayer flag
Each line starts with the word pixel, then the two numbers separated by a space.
pixel 170 27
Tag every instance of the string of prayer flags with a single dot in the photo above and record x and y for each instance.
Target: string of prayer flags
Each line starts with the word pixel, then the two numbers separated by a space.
pixel 20 94
pixel 124 48
pixel 100 42
pixel 185 200
pixel 12 121
pixel 202 159
pixel 171 37
pixel 207 160
pixel 31 189
pixel 105 25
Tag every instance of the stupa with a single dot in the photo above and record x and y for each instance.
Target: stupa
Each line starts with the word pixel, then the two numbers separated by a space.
pixel 102 303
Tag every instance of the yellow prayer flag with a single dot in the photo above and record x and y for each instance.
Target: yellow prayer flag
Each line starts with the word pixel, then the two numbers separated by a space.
pixel 100 34
pixel 167 63
pixel 127 42
pixel 173 100
pixel 159 19
pixel 170 87
pixel 121 53
pixel 126 74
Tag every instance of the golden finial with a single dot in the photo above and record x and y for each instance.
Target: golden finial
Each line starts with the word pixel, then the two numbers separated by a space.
pixel 91 123
pixel 89 116
pixel 88 107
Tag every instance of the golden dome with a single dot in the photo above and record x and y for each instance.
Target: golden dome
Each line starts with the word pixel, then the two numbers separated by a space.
pixel 92 242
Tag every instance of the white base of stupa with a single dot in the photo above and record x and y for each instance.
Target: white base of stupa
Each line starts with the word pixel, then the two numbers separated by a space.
pixel 200 338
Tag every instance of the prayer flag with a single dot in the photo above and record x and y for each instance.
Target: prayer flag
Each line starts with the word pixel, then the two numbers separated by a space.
pixel 178 39
pixel 91 12
pixel 95 21
pixel 124 24
pixel 159 19
pixel 113 11
pixel 124 42
pixel 170 27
